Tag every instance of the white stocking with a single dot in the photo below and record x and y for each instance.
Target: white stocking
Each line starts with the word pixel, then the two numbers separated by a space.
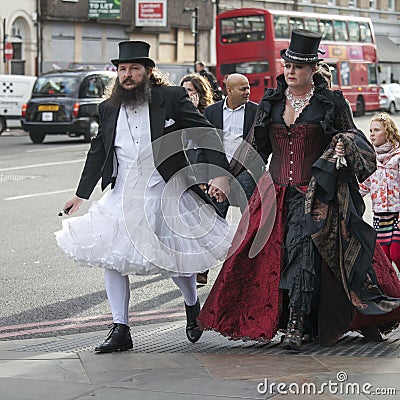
pixel 118 294
pixel 187 285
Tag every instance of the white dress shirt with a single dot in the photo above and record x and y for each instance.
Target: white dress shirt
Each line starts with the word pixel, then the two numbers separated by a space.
pixel 233 121
pixel 133 138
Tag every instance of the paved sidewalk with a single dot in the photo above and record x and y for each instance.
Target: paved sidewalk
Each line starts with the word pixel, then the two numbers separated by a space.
pixel 164 366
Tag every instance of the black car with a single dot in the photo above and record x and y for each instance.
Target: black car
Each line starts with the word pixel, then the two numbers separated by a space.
pixel 65 102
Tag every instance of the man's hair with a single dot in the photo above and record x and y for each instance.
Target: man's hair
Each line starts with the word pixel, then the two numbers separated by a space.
pixel 159 78
pixel 201 64
pixel 131 98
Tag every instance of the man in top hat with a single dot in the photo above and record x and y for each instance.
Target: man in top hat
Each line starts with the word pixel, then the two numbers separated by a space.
pixel 315 272
pixel 136 227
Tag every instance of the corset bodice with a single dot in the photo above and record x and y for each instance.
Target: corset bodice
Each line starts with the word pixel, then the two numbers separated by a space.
pixel 294 151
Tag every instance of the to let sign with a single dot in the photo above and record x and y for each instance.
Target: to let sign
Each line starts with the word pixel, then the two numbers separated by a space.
pixel 151 13
pixel 8 51
pixel 104 9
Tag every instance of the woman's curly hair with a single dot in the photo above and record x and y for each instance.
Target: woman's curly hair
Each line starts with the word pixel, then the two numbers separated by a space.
pixel 202 87
pixel 391 130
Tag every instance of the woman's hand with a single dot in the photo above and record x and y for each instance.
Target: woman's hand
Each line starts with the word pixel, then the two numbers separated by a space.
pixel 219 188
pixel 339 148
pixel 194 98
pixel 340 154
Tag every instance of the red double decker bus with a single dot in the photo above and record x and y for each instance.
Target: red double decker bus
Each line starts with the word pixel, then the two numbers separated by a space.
pixel 249 41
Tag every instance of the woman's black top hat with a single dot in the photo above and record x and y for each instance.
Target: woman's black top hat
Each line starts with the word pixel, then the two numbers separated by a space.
pixel 134 51
pixel 303 47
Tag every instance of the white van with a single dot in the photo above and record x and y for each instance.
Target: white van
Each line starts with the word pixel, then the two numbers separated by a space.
pixel 15 90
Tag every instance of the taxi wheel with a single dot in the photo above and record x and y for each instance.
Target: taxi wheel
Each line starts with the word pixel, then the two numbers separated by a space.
pixel 2 125
pixel 37 137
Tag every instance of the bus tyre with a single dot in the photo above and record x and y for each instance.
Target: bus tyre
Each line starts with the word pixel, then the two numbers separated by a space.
pixel 392 108
pixel 360 107
pixel 37 137
pixel 92 130
pixel 2 125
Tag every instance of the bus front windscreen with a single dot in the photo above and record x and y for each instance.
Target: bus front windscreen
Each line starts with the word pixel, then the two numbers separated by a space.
pixel 249 67
pixel 248 28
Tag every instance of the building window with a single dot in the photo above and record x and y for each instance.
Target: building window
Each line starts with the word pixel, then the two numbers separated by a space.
pixel 391 5
pixel 332 2
pixel 372 4
pixel 352 3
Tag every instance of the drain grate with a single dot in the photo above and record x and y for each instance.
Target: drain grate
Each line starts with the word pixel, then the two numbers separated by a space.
pixel 170 338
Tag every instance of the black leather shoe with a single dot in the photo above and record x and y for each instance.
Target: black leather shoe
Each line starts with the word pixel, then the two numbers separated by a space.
pixel 193 332
pixel 292 340
pixel 118 339
pixel 201 278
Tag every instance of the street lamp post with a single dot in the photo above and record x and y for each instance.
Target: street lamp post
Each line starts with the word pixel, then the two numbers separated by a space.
pixel 194 28
pixel 38 38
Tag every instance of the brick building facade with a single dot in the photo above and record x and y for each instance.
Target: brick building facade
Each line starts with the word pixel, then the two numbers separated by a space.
pixel 49 34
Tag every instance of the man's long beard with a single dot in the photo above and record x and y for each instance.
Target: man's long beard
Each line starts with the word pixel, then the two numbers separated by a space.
pixel 132 98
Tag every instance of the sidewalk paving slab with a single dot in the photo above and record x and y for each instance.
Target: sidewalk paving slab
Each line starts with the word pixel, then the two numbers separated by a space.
pixel 164 366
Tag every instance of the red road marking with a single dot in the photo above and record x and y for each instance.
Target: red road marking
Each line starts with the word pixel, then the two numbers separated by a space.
pixel 78 319
pixel 75 323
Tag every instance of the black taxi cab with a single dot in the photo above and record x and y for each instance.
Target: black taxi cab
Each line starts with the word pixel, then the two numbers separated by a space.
pixel 65 102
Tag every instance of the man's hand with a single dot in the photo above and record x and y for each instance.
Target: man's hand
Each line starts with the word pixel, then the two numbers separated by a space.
pixel 72 205
pixel 219 188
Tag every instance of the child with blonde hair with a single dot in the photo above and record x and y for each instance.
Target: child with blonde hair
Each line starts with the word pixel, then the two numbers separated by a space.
pixel 384 184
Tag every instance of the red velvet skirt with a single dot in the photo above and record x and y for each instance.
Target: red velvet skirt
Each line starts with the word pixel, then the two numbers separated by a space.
pixel 246 302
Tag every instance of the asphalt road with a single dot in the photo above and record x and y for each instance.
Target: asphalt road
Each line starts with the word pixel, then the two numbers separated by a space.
pixel 42 291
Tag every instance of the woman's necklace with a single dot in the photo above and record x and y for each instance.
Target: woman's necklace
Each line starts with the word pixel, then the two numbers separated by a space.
pixel 299 103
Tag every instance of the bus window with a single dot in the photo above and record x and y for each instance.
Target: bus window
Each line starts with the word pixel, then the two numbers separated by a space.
pixel 365 33
pixel 281 27
pixel 345 73
pixel 296 23
pixel 334 72
pixel 243 29
pixel 354 31
pixel 372 75
pixel 311 24
pixel 326 28
pixel 340 31
pixel 248 67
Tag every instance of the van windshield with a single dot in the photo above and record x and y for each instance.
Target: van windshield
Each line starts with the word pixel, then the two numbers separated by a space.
pixel 56 85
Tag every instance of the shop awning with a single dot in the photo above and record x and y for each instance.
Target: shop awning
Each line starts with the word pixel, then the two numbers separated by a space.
pixel 388 52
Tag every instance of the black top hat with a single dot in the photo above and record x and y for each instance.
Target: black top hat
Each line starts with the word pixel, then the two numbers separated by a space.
pixel 303 47
pixel 134 51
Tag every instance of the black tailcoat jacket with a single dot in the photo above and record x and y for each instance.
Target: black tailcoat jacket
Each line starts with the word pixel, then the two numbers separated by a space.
pixel 170 110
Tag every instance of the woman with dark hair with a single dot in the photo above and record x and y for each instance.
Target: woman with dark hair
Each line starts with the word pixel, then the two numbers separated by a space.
pixel 319 264
pixel 199 91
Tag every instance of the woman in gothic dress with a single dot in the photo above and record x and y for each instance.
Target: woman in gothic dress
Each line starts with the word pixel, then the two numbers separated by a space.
pixel 315 266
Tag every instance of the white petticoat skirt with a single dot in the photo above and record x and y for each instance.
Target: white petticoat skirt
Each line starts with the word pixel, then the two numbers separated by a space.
pixel 136 229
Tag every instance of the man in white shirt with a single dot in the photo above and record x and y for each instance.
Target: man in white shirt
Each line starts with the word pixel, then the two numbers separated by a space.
pixel 234 117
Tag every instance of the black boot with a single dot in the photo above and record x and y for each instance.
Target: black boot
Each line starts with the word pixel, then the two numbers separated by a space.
pixel 294 332
pixel 193 333
pixel 118 339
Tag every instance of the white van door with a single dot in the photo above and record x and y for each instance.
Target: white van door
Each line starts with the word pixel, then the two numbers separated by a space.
pixel 15 90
